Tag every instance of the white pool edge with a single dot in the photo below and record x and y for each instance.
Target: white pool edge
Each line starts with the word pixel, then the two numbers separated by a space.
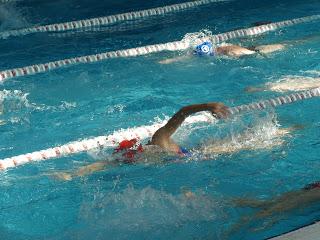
pixel 310 232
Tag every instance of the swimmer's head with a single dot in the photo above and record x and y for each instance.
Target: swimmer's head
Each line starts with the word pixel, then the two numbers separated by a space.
pixel 126 144
pixel 128 149
pixel 205 48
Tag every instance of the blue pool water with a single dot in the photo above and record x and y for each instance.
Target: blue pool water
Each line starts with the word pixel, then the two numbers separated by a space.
pixel 147 201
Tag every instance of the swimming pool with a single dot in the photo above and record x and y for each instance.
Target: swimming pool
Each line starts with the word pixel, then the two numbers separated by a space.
pixel 147 201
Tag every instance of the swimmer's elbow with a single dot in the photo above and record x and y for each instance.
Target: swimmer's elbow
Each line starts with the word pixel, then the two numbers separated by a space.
pixel 161 137
pixel 160 134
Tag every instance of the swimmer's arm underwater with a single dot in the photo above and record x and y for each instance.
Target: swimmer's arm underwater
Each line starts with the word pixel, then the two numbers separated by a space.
pixel 82 171
pixel 175 59
pixel 162 135
pixel 272 209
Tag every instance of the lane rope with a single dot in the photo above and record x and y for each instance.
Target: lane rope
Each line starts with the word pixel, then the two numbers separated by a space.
pixel 107 20
pixel 8 1
pixel 144 132
pixel 144 50
pixel 139 51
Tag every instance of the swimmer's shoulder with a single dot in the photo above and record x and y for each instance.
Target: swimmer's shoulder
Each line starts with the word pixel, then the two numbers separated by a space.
pixel 234 50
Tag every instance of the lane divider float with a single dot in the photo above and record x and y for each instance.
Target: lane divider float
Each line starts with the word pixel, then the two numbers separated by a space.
pixel 144 50
pixel 144 132
pixel 45 67
pixel 8 1
pixel 107 20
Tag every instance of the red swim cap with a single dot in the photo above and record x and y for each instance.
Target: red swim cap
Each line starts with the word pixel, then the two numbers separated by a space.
pixel 126 144
pixel 129 149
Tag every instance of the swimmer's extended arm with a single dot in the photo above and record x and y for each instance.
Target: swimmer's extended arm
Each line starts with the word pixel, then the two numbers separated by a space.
pixel 162 136
pixel 82 171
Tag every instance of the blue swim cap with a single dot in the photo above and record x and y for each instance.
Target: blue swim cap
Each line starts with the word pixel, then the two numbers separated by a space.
pixel 204 48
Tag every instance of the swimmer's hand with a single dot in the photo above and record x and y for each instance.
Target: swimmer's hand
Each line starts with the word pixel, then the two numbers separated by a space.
pixel 218 110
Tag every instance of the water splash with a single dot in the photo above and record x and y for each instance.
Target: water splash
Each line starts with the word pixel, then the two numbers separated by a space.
pixel 13 100
pixel 11 17
pixel 313 72
pixel 145 209
pixel 263 133
pixel 15 106
pixel 197 38
pixel 117 108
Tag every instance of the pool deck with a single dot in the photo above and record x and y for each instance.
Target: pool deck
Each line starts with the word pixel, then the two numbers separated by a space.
pixel 311 232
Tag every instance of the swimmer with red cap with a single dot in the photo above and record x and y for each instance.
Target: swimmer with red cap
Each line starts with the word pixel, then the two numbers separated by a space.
pixel 131 151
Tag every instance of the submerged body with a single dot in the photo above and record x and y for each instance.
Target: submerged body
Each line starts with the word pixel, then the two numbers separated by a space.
pixel 274 209
pixel 289 83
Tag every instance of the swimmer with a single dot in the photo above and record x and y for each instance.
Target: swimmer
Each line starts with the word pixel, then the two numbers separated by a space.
pixel 162 147
pixel 161 144
pixel 274 209
pixel 288 83
pixel 206 48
